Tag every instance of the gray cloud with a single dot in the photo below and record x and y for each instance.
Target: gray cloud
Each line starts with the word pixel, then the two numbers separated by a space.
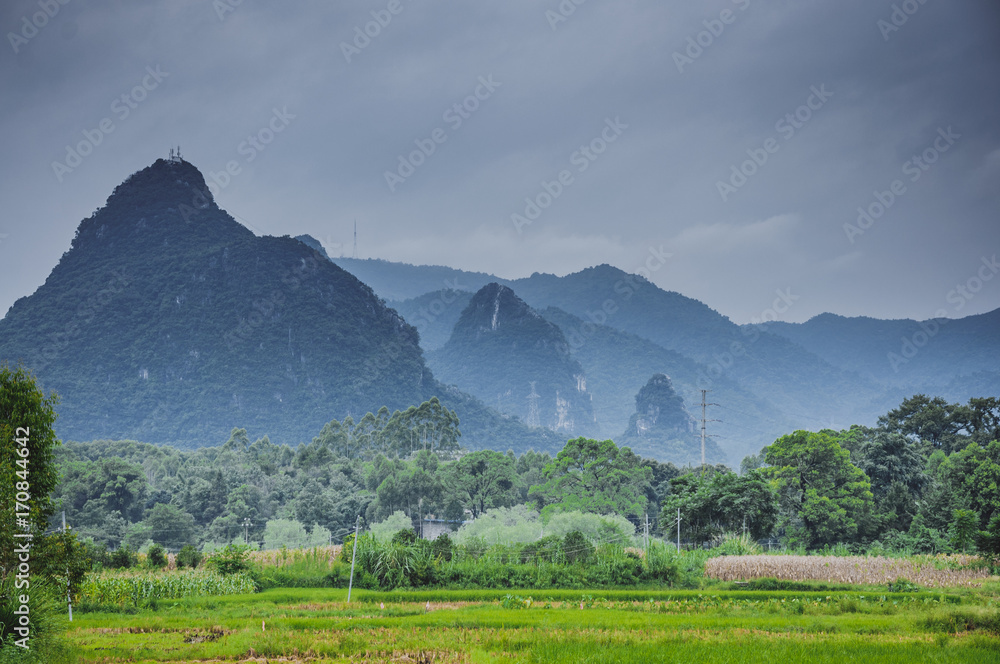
pixel 656 185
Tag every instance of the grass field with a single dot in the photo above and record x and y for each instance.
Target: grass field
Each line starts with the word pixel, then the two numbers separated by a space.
pixel 303 625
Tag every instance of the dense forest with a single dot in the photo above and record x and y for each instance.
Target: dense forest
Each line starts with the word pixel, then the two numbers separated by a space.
pixel 925 479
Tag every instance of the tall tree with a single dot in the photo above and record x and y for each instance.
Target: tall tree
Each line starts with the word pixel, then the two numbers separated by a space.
pixel 596 476
pixel 825 498
pixel 484 479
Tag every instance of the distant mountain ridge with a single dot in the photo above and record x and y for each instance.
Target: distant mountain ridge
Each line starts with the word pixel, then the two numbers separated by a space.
pixel 169 322
pixel 829 372
pixel 501 349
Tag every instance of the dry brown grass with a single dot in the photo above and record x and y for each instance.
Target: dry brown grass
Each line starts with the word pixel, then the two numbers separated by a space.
pixel 929 571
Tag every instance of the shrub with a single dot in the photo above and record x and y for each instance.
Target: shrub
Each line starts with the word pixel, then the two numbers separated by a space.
pixel 384 530
pixel 577 548
pixel 595 527
pixel 442 547
pixel 123 558
pixel 406 537
pixel 188 557
pixel 231 559
pixel 509 525
pixel 156 557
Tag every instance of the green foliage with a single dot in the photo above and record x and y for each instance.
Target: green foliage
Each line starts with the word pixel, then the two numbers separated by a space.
pixel 189 557
pixel 231 559
pixel 595 527
pixel 716 502
pixel 963 529
pixel 824 497
pixel 47 623
pixel 483 480
pixel 384 530
pixel 506 525
pixel 732 544
pixel 596 476
pixel 292 534
pixel 156 557
pixel 123 558
pixel 577 548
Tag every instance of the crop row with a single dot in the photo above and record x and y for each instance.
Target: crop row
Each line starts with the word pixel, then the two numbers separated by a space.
pixel 138 587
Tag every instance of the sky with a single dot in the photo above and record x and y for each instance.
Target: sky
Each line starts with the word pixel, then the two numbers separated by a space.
pixel 772 159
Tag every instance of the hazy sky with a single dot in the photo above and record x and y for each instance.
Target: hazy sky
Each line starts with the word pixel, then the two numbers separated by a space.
pixel 666 97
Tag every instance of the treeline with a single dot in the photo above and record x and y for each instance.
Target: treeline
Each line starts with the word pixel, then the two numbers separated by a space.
pixel 925 479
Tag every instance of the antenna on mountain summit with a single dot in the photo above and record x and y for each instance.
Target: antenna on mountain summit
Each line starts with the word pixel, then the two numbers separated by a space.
pixel 175 155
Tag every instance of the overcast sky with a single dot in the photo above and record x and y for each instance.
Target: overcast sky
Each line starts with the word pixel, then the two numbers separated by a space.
pixel 682 116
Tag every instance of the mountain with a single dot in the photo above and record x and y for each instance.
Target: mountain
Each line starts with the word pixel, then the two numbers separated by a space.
pixel 401 281
pixel 434 315
pixel 618 364
pixel 903 353
pixel 503 352
pixel 661 426
pixel 829 372
pixel 167 321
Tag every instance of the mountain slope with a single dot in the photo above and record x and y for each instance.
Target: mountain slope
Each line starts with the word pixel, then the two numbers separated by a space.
pixel 618 364
pixel 504 352
pixel 902 352
pixel 661 426
pixel 169 322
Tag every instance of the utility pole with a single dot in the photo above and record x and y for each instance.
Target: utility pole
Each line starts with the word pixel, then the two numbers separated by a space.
pixel 246 530
pixel 704 393
pixel 354 554
pixel 678 530
pixel 645 534
pixel 69 596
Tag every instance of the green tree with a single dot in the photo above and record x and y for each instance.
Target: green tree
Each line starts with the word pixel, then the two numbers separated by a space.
pixel 719 502
pixel 963 529
pixel 170 526
pixel 483 480
pixel 596 476
pixel 930 420
pixel 824 498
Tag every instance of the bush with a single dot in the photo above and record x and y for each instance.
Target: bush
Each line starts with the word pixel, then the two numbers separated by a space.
pixel 46 606
pixel 384 530
pixel 156 557
pixel 507 525
pixel 405 537
pixel 188 557
pixel 231 559
pixel 442 547
pixel 595 527
pixel 577 548
pixel 123 558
